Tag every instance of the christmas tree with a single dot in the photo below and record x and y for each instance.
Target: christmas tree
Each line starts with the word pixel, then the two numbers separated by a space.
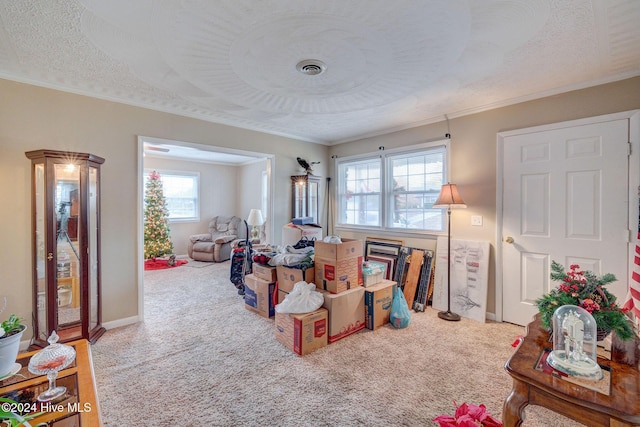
pixel 156 219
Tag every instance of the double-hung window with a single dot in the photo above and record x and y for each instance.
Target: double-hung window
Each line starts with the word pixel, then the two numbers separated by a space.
pixel 393 190
pixel 180 190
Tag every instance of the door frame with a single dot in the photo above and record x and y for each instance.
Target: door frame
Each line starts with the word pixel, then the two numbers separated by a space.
pixel 634 186
pixel 270 158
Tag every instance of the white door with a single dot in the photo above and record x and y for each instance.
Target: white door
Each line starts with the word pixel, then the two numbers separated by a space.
pixel 565 199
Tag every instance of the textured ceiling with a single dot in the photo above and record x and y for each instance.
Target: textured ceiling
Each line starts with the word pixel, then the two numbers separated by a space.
pixel 390 64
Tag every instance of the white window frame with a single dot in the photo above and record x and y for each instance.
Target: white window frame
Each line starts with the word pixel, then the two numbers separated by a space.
pixel 176 173
pixel 385 184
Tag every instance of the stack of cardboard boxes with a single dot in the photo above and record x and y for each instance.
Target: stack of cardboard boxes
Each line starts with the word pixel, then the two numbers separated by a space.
pixel 259 288
pixel 348 306
pixel 339 277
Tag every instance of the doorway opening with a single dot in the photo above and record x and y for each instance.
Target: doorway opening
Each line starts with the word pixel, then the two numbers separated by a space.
pixel 227 180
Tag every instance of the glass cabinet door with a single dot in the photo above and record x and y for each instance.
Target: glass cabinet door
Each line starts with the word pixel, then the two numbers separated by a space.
pixel 94 268
pixel 305 196
pixel 42 252
pixel 68 261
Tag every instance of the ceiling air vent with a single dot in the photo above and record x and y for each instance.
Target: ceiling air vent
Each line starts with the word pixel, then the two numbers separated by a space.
pixel 311 67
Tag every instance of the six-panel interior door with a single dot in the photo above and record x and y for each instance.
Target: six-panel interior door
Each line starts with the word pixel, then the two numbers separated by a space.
pixel 565 199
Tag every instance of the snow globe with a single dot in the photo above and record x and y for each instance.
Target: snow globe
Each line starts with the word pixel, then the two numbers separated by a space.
pixel 575 343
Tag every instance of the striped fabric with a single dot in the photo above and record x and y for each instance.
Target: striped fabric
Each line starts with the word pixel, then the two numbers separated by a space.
pixel 632 302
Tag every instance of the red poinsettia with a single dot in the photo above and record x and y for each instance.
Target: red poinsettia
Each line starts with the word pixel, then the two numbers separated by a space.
pixel 468 415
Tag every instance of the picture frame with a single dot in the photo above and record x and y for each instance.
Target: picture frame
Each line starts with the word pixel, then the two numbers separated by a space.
pixel 385 251
pixel 383 247
pixel 389 263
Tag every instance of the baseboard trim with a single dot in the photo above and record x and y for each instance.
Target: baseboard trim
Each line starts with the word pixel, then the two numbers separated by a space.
pixel 24 345
pixel 121 322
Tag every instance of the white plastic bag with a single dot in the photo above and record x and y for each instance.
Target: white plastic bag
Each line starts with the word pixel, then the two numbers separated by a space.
pixel 304 298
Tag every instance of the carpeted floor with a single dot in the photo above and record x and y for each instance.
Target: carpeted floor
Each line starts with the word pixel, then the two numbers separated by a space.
pixel 201 359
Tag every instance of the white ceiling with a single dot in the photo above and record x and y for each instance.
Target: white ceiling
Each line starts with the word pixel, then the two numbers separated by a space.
pixel 390 64
pixel 168 149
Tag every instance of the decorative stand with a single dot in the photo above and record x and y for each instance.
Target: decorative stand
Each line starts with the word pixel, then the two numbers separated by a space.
pixel 49 361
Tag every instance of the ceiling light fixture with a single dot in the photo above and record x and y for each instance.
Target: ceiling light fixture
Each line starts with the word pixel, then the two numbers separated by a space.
pixel 311 67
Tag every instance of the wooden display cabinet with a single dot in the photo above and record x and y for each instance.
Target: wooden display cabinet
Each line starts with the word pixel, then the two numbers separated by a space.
pixel 66 245
pixel 305 196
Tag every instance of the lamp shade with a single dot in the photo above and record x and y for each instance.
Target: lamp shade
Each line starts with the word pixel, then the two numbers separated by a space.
pixel 255 217
pixel 449 198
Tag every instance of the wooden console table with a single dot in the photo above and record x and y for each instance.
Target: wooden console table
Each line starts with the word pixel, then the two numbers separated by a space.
pixel 620 407
pixel 79 407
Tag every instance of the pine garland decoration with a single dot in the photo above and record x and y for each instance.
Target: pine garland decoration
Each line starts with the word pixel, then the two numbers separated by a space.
pixel 585 289
pixel 156 220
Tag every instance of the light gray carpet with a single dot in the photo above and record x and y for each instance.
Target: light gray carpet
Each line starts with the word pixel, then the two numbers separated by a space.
pixel 198 264
pixel 193 263
pixel 201 359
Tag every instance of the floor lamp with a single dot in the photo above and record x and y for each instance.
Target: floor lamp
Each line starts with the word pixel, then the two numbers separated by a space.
pixel 449 198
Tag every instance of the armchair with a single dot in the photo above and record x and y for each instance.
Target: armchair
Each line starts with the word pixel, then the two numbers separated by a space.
pixel 217 244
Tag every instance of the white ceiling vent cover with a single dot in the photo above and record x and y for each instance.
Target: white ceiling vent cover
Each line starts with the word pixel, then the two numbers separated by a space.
pixel 311 67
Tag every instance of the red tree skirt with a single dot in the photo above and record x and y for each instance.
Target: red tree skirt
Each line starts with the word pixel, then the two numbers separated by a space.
pixel 161 264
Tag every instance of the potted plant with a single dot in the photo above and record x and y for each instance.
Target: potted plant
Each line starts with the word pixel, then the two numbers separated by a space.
pixel 11 331
pixel 585 289
pixel 9 415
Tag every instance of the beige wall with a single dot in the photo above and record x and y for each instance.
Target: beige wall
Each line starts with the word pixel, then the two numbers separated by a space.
pixel 249 196
pixel 33 118
pixel 473 153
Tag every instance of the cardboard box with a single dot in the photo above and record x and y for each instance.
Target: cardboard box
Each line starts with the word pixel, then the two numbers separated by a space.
pixel 302 333
pixel 346 312
pixel 258 295
pixel 282 295
pixel 349 248
pixel 264 272
pixel 289 276
pixel 373 272
pixel 338 276
pixel 292 233
pixel 377 303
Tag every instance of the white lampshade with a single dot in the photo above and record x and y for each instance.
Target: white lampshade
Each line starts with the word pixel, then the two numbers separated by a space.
pixel 255 217
pixel 449 197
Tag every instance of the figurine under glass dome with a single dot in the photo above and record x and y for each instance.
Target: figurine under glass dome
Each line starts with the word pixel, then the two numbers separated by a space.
pixel 575 343
pixel 49 361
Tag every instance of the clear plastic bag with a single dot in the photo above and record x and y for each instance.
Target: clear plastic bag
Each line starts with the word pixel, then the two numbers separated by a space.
pixel 400 316
pixel 304 298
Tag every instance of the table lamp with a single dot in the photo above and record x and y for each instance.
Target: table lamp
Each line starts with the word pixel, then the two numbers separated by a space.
pixel 449 198
pixel 255 220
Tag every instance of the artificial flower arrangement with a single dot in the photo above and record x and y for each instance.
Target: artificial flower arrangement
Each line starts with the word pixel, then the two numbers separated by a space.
pixel 468 415
pixel 585 289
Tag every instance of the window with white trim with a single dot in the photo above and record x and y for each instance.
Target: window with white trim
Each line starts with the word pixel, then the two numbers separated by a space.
pixel 393 190
pixel 180 189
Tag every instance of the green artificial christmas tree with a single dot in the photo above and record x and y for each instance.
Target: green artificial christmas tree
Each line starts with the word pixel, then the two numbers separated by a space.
pixel 156 220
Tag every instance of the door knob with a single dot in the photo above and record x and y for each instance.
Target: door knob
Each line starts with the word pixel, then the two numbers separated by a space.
pixel 509 239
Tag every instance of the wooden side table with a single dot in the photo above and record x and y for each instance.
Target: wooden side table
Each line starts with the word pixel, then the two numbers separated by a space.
pixel 78 407
pixel 620 407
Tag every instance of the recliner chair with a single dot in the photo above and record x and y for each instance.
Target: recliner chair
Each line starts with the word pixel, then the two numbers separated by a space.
pixel 217 244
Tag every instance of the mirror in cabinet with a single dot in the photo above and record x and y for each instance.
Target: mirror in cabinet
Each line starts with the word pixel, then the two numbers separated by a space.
pixel 66 245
